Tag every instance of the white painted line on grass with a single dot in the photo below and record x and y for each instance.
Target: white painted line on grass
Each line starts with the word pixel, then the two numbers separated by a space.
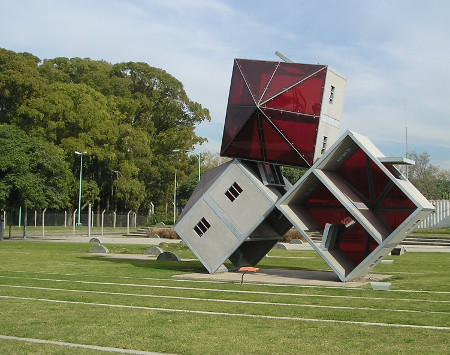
pixel 225 291
pixel 84 346
pixel 257 316
pixel 224 300
pixel 228 282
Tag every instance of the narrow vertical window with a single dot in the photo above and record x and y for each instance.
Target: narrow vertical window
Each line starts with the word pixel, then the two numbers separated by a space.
pixel 331 94
pixel 324 145
pixel 201 227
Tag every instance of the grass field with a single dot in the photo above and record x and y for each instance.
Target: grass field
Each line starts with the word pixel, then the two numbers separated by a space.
pixel 58 292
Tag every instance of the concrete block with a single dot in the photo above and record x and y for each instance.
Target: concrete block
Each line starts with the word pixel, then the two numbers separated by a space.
pixel 398 251
pixel 168 256
pixel 95 240
pixel 380 286
pixel 99 249
pixel 153 251
pixel 296 241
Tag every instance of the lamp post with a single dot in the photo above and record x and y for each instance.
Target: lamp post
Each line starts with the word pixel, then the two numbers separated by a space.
pixel 81 178
pixel 196 154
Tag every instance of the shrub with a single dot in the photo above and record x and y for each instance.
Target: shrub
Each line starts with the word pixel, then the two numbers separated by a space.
pixel 292 234
pixel 163 232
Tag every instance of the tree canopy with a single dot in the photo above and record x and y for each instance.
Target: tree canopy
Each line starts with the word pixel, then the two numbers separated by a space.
pixel 128 117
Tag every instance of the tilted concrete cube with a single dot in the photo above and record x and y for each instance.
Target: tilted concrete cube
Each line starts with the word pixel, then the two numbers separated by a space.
pixel 232 215
pixel 360 203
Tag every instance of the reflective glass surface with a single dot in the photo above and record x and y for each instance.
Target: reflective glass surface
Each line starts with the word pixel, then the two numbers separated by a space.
pixel 356 243
pixel 247 143
pixel 239 92
pixel 257 75
pixel 288 74
pixel 277 149
pixel 299 130
pixel 235 119
pixel 325 208
pixel 305 97
pixel 355 172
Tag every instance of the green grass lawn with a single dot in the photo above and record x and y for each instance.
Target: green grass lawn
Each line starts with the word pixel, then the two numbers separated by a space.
pixel 60 292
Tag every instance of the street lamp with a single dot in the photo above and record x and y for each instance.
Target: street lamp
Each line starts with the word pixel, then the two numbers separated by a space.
pixel 81 178
pixel 196 154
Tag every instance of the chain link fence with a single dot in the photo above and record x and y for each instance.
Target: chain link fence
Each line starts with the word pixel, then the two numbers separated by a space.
pixel 67 219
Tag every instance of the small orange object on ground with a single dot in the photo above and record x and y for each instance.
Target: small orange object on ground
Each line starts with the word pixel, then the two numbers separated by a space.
pixel 248 269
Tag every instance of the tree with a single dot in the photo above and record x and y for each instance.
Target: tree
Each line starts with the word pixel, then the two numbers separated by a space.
pixel 33 173
pixel 423 175
pixel 293 174
pixel 128 117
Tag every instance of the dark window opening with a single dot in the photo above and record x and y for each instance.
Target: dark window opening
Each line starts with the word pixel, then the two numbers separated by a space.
pixel 202 226
pixel 233 192
pixel 324 145
pixel 331 94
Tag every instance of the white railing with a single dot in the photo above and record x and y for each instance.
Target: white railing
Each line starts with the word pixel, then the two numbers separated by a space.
pixel 440 218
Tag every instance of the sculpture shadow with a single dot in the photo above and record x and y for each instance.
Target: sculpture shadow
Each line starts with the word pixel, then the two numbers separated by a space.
pixel 181 266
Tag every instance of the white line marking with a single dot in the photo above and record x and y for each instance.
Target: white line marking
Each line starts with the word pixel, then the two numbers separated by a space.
pixel 258 316
pixel 227 282
pixel 225 291
pixel 223 300
pixel 84 346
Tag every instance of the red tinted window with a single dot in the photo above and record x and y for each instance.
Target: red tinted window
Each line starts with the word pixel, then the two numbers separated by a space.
pixel 305 97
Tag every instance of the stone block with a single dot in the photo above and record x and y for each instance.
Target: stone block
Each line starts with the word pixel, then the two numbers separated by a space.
pixel 99 249
pixel 168 256
pixel 153 251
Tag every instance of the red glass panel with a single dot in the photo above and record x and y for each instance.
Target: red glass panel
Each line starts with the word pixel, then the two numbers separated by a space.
pixel 354 243
pixel 396 198
pixel 287 75
pixel 323 196
pixel 328 215
pixel 277 149
pixel 299 130
pixel 380 180
pixel 234 120
pixel 305 97
pixel 394 217
pixel 354 171
pixel 246 144
pixel 325 208
pixel 239 92
pixel 257 75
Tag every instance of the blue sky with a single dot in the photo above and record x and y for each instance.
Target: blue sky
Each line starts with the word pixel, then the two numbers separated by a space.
pixel 395 54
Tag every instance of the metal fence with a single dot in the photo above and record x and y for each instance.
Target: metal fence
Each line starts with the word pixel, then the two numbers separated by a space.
pixel 66 219
pixel 440 218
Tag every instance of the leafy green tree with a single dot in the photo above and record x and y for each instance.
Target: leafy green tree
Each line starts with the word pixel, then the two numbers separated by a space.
pixel 293 174
pixel 33 173
pixel 128 117
pixel 423 175
pixel 19 82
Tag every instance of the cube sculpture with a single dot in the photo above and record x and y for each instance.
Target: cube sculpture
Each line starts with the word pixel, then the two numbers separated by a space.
pixel 289 114
pixel 360 203
pixel 231 215
pixel 283 113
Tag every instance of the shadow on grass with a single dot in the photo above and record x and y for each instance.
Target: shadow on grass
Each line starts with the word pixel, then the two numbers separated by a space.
pixel 187 266
pixel 180 266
